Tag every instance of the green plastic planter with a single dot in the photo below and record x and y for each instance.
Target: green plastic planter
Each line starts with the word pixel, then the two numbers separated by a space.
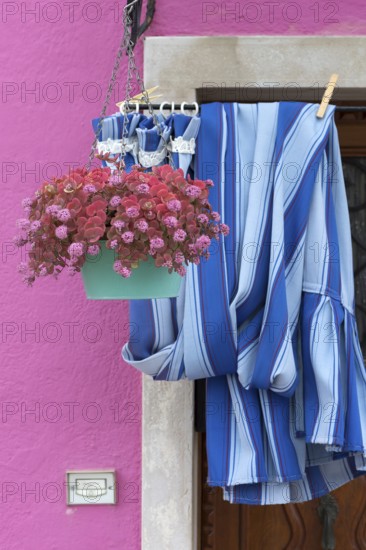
pixel 147 281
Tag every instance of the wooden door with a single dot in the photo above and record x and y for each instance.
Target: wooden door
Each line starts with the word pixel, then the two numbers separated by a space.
pixel 225 526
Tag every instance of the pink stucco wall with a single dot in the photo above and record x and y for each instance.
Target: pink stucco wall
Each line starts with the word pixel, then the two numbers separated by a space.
pixel 60 354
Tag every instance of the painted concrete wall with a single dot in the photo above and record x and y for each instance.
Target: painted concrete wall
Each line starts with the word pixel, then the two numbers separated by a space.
pixel 67 400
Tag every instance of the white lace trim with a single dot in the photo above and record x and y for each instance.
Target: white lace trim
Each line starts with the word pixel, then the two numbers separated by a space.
pixel 151 158
pixel 180 145
pixel 114 146
pixel 147 158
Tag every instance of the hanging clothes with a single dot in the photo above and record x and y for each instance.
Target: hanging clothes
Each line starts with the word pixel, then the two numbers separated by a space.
pixel 269 319
pixel 143 143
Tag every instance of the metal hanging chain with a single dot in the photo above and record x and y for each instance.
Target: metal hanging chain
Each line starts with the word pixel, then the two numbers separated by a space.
pixel 128 89
pixel 122 47
pixel 127 44
pixel 145 96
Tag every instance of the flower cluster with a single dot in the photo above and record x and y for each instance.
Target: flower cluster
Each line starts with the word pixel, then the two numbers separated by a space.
pixel 139 214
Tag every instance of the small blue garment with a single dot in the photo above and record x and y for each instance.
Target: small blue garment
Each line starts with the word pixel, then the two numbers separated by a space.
pixel 269 319
pixel 145 145
pixel 109 138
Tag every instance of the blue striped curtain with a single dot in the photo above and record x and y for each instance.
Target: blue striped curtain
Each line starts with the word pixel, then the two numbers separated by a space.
pixel 269 319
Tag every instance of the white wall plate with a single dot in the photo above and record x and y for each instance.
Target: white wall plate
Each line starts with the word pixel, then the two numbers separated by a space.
pixel 85 487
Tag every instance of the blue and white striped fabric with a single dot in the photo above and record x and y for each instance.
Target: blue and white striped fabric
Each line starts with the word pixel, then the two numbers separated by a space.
pixel 109 138
pixel 144 144
pixel 269 319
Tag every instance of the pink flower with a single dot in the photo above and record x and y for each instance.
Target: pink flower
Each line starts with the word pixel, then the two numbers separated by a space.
pixel 216 216
pixel 93 250
pixel 132 212
pixel 203 242
pixel 89 188
pixel 142 226
pixel 53 209
pixel 115 178
pixel 35 225
pixel 179 235
pixel 61 232
pixel 115 201
pixel 174 205
pixel 124 271
pixel 76 250
pixel 179 258
pixel 181 270
pixel 113 244
pixel 157 242
pixel 118 224
pixel 143 188
pixel 202 218
pixel 127 236
pixel 23 224
pixel 225 229
pixel 43 272
pixel 64 215
pixel 170 221
pixel 19 240
pixel 192 191
pixel 117 266
pixel 27 203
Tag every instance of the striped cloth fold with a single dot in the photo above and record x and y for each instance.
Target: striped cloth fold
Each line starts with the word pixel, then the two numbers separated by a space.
pixel 269 318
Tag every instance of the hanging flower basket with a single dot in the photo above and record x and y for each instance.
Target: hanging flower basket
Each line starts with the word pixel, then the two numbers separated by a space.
pixel 141 228
pixel 101 282
pixel 131 234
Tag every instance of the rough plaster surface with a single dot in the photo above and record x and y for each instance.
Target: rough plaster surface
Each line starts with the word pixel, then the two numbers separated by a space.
pixel 168 501
pixel 74 355
pixel 63 52
pixel 261 17
pixel 250 62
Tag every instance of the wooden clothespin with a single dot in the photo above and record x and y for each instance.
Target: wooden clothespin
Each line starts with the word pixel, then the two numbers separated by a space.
pixel 137 98
pixel 327 95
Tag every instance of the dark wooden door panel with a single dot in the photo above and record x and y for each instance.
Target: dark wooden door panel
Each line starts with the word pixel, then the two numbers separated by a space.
pixel 298 526
pixel 281 527
pixel 227 526
pixel 350 527
pixel 220 522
